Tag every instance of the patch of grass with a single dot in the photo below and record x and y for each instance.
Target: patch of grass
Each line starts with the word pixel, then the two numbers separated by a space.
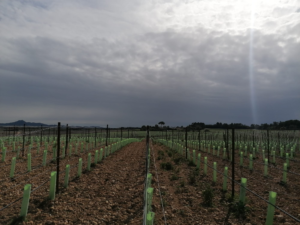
pixel 208 196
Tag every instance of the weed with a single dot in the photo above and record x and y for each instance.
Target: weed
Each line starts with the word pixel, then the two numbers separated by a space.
pixel 182 183
pixel 174 177
pixel 166 166
pixel 177 160
pixel 192 179
pixel 239 209
pixel 161 153
pixel 165 204
pixel 182 213
pixel 208 196
pixel 191 163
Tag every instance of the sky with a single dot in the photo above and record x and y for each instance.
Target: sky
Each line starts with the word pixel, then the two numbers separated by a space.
pixel 134 63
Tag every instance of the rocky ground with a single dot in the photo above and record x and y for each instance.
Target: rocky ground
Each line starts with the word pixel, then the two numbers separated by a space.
pixel 111 193
pixel 182 185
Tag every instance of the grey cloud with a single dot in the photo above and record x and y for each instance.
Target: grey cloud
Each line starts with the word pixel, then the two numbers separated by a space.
pixel 176 76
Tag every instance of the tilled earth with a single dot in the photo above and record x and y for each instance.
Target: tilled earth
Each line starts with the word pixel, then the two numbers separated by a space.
pixel 181 190
pixel 111 193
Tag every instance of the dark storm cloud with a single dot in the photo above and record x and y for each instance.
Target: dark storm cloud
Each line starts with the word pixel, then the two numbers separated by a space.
pixel 176 76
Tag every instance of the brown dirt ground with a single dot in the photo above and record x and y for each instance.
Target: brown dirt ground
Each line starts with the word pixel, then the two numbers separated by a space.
pixel 111 193
pixel 183 200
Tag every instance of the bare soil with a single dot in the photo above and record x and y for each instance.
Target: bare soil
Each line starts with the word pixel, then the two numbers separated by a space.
pixel 111 193
pixel 182 186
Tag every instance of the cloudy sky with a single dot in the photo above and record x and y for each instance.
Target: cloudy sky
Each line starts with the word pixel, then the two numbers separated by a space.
pixel 133 62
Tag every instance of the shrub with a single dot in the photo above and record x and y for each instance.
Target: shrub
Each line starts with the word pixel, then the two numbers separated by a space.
pixel 166 166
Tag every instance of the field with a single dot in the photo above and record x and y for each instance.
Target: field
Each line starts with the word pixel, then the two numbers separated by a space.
pixel 109 186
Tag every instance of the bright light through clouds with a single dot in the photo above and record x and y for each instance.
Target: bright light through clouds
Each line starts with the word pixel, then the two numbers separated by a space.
pixel 139 62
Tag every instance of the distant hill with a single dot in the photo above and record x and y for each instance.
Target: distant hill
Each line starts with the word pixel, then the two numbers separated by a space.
pixel 33 124
pixel 22 122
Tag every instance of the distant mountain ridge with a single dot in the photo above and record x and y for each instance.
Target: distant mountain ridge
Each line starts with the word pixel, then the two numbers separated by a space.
pixel 33 124
pixel 22 122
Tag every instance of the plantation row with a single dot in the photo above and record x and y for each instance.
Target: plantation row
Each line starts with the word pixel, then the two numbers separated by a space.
pixel 285 194
pixel 91 160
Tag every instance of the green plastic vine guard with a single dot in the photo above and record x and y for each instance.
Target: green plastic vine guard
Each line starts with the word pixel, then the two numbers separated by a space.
pixel 271 208
pixel 66 183
pixel 284 173
pixel 215 173
pixel 44 157
pixel 101 154
pixel 213 148
pixel 263 153
pixel 14 146
pixel 266 168
pixel 79 167
pixel 243 190
pixel 13 166
pixel 89 162
pixel 96 157
pixel 52 185
pixel 281 152
pixel 54 153
pixel 194 156
pixel 104 152
pixel 241 158
pixel 81 150
pixel 18 152
pixel 199 159
pixel 287 160
pixel 150 218
pixel 218 153
pixel 225 179
pixel 70 150
pixel 25 201
pixel 149 198
pixel 250 162
pixel 224 153
pixel 29 148
pixel 29 162
pixel 253 152
pixel 63 151
pixel 3 154
pixel 274 157
pixel 38 148
pixel 205 165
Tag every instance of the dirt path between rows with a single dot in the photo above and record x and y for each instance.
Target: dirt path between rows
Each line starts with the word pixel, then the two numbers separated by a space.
pixel 111 193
